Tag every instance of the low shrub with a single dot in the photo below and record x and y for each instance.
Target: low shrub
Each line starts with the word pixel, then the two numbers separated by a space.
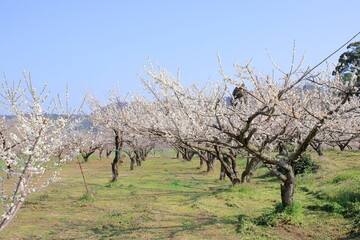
pixel 292 214
pixel 87 198
pixel 305 164
pixel 353 212
pixel 245 225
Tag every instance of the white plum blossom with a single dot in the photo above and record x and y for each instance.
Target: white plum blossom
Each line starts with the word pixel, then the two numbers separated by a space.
pixel 34 133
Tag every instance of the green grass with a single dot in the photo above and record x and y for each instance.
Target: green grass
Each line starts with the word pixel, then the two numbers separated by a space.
pixel 170 199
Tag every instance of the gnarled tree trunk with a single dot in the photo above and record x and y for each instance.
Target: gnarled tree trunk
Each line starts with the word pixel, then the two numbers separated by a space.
pixel 201 163
pixel 222 173
pixel 108 153
pixel 86 155
pixel 228 165
pixel 132 162
pixel 138 158
pixel 115 162
pixel 288 188
pixel 208 158
pixel 252 165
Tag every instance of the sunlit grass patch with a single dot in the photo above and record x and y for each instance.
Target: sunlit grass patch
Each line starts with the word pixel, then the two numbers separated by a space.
pixel 350 175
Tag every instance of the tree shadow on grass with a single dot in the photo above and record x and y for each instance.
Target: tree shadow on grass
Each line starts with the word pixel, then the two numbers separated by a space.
pixel 267 177
pixel 189 224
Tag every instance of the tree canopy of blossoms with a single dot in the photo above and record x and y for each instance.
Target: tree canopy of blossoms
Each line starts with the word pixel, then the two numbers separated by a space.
pixel 297 108
pixel 33 134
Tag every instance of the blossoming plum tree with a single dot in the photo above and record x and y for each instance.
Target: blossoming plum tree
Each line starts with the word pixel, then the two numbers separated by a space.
pixel 33 138
pixel 111 117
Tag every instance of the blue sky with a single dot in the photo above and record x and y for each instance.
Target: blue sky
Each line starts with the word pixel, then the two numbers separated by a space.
pixel 95 45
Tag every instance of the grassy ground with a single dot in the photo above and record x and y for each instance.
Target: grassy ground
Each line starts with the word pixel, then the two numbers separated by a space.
pixel 170 199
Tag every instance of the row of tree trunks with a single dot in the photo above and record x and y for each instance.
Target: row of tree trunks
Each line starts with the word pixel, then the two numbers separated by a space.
pixel 186 153
pixel 139 155
pixel 228 165
pixel 343 145
pixel 208 159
